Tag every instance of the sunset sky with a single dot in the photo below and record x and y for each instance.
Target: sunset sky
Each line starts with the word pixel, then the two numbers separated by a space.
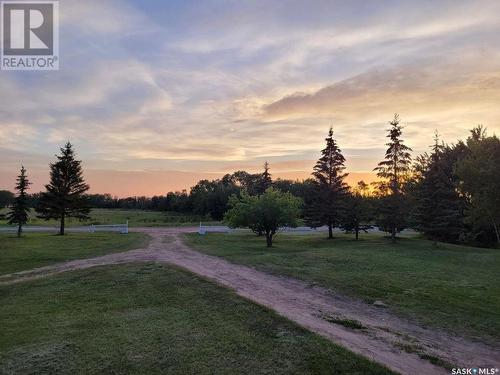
pixel 157 95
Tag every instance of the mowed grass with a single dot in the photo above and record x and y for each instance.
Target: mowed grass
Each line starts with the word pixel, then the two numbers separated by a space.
pixel 154 319
pixel 136 218
pixel 41 249
pixel 448 286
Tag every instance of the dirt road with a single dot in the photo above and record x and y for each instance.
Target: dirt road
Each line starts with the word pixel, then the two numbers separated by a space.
pixel 401 345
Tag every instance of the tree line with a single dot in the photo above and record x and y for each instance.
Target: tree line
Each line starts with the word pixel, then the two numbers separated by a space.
pixel 450 193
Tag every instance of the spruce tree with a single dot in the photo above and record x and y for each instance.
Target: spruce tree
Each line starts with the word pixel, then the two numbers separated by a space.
pixel 325 208
pixel 265 180
pixel 439 208
pixel 394 170
pixel 65 195
pixel 19 211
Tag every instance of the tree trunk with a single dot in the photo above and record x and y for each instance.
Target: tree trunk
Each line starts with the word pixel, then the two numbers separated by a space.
pixel 61 228
pixel 269 239
pixel 357 233
pixel 496 232
pixel 330 230
pixel 19 230
pixel 495 227
pixel 393 234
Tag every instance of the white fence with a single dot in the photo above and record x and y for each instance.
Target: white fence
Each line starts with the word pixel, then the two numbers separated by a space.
pixel 122 228
pixel 223 229
pixel 303 229
pixel 213 229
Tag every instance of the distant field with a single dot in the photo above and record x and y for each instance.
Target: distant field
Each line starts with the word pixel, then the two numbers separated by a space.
pixel 41 249
pixel 448 286
pixel 136 218
pixel 154 319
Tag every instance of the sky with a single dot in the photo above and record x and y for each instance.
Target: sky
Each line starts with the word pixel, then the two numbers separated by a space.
pixel 157 95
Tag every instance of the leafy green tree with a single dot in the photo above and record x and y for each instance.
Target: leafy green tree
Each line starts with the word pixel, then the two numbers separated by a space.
pixel 479 175
pixel 394 171
pixel 300 189
pixel 65 195
pixel 363 188
pixel 6 198
pixel 251 182
pixel 177 201
pixel 325 207
pixel 212 197
pixel 19 212
pixel 265 213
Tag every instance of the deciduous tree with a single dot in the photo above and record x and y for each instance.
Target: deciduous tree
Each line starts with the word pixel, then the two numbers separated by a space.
pixel 265 213
pixel 211 197
pixel 6 198
pixel 358 211
pixel 479 174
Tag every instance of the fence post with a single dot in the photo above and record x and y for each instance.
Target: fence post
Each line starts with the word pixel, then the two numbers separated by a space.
pixel 126 228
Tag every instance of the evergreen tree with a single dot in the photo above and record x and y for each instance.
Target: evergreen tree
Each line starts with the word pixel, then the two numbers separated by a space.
pixel 325 207
pixel 438 206
pixel 19 211
pixel 64 197
pixel 393 170
pixel 265 180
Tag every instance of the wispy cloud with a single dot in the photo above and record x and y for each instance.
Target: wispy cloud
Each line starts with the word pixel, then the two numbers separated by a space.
pixel 203 87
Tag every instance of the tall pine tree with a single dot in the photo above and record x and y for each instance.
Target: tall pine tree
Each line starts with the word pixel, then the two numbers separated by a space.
pixel 19 211
pixel 393 170
pixel 65 195
pixel 325 208
pixel 439 209
pixel 265 180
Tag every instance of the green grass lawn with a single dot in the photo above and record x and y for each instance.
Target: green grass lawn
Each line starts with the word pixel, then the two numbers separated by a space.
pixel 448 286
pixel 136 218
pixel 154 319
pixel 41 249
